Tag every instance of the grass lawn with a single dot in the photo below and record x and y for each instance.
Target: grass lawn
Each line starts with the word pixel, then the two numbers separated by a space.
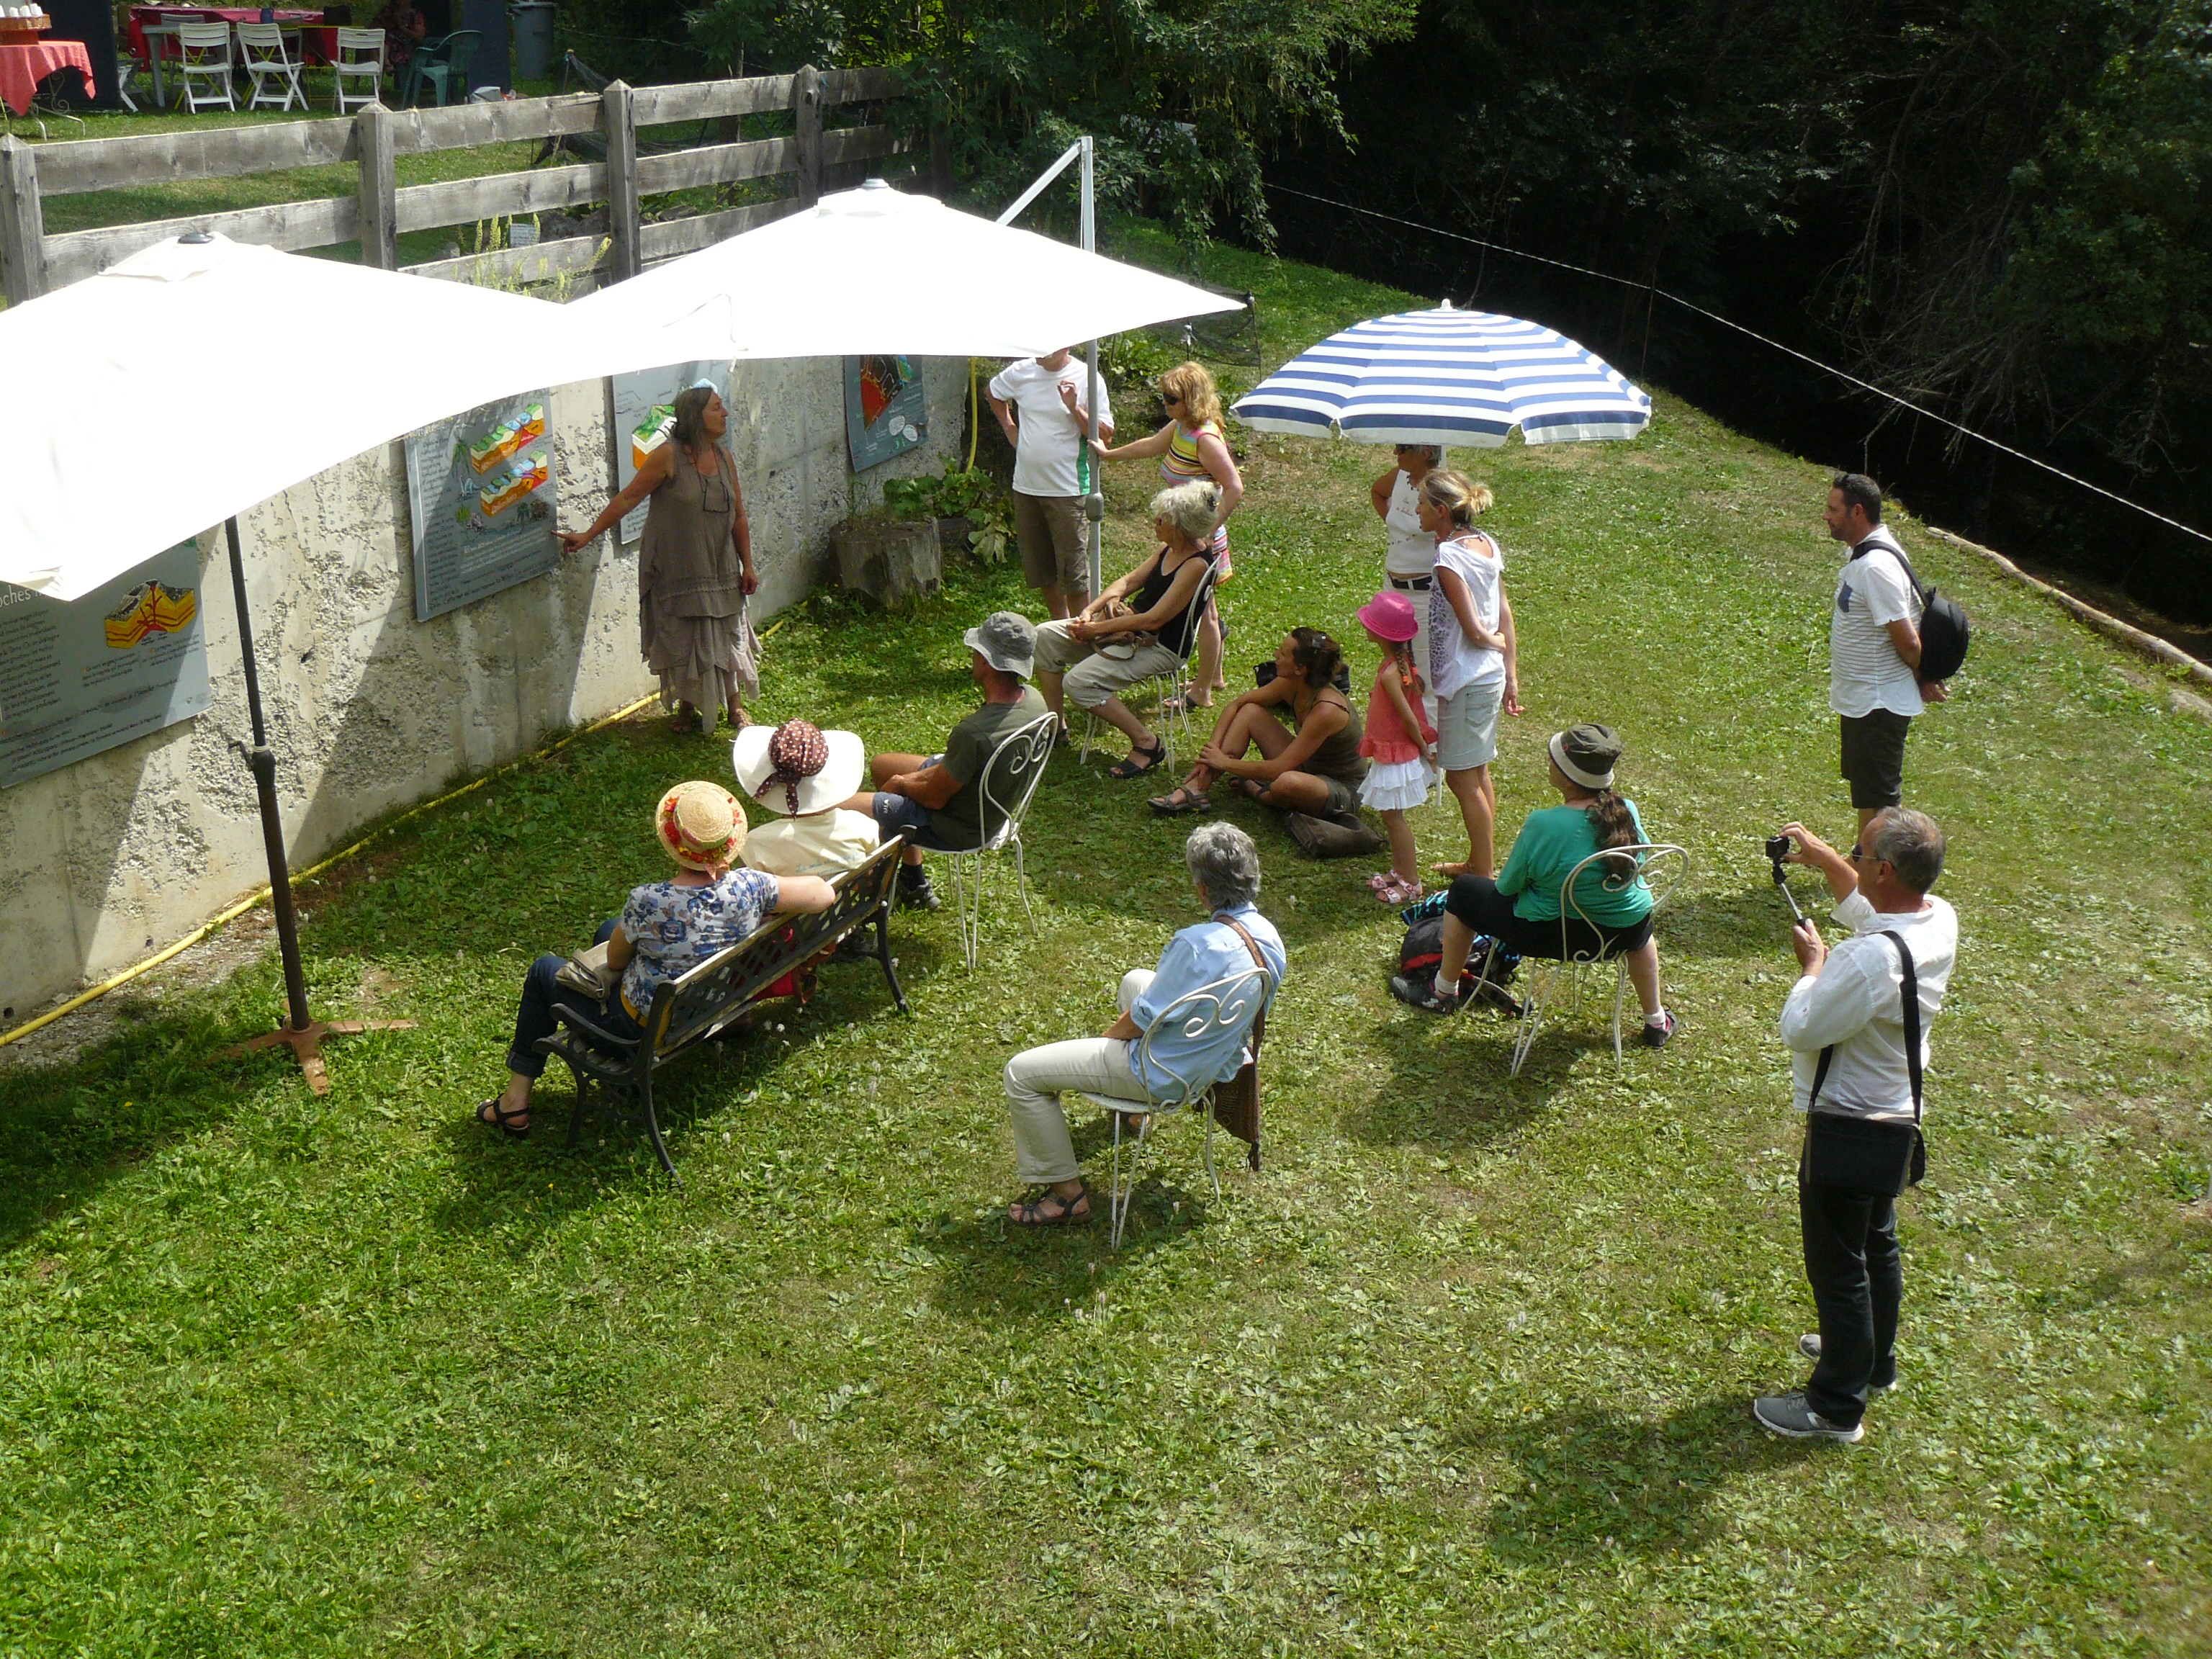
pixel 1465 1371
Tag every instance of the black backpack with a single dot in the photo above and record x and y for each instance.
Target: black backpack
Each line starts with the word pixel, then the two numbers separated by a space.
pixel 1945 631
pixel 1423 948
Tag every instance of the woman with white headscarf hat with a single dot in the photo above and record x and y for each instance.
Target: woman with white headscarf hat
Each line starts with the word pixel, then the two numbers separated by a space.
pixel 805 774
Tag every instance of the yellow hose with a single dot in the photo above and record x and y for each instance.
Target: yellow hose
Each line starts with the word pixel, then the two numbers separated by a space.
pixel 313 869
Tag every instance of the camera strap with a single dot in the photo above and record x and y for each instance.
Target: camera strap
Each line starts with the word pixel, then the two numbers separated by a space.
pixel 1911 1014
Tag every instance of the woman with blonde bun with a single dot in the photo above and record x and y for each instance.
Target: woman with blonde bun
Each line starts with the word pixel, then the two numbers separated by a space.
pixel 1191 445
pixel 1474 669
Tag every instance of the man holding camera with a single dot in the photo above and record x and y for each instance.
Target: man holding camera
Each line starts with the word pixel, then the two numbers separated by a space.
pixel 1873 648
pixel 1854 1026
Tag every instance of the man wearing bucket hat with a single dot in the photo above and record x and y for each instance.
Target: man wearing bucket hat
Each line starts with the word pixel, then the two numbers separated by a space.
pixel 936 802
pixel 666 929
pixel 797 769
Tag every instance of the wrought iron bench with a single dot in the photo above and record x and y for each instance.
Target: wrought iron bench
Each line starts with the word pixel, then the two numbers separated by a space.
pixel 702 1004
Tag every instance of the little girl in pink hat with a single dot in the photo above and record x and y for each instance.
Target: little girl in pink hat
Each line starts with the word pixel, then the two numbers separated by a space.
pixel 1400 742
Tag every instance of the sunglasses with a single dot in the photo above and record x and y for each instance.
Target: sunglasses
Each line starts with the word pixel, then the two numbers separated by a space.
pixel 1171 397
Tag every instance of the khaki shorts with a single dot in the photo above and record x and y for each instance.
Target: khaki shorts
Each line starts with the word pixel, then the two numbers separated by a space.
pixel 1049 529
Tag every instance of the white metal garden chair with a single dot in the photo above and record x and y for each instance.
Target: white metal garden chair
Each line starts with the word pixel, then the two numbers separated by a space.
pixel 1224 1004
pixel 1173 685
pixel 1009 783
pixel 204 59
pixel 275 78
pixel 359 57
pixel 1660 866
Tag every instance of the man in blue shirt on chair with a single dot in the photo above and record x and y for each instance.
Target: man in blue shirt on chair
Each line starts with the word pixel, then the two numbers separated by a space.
pixel 1235 940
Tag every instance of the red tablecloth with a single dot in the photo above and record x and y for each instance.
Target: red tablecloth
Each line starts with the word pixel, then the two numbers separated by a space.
pixel 142 16
pixel 21 68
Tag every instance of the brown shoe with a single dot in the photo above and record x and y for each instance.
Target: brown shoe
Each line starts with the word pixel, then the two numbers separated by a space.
pixel 1325 838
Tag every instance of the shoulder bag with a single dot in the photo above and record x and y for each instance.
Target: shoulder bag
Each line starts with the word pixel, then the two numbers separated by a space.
pixel 1236 1102
pixel 1872 1158
pixel 1945 629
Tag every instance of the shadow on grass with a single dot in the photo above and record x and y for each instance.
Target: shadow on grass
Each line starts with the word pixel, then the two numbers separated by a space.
pixel 993 1269
pixel 1754 922
pixel 1597 1480
pixel 1452 1090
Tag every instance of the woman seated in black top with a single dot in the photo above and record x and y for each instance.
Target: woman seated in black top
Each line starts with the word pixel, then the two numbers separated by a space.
pixel 1094 656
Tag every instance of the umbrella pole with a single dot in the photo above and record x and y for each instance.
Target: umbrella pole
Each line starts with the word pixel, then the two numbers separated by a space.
pixel 1094 502
pixel 301 1033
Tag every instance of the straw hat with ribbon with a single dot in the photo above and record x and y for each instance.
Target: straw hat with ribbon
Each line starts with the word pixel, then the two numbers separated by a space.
pixel 700 825
pixel 796 768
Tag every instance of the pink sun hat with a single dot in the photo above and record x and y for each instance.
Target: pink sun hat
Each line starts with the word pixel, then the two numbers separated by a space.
pixel 1390 616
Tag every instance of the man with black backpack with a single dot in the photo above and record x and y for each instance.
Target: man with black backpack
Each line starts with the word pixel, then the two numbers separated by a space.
pixel 1886 661
pixel 1855 1026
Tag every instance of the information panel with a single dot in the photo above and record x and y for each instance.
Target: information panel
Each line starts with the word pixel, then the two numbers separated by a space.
pixel 884 410
pixel 85 675
pixel 480 494
pixel 644 415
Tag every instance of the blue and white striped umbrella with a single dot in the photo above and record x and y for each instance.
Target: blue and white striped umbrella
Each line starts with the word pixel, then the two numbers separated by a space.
pixel 1448 377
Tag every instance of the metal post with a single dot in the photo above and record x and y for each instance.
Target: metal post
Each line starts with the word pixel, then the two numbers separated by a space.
pixel 1094 499
pixel 262 760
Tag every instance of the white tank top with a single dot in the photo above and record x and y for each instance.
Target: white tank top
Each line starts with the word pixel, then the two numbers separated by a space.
pixel 1413 550
pixel 1456 662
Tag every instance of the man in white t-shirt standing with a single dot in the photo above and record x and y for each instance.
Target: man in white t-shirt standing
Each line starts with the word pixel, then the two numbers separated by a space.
pixel 1843 1024
pixel 1873 648
pixel 1039 406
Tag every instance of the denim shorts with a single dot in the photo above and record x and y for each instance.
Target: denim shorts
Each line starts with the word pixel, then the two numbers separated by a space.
pixel 902 815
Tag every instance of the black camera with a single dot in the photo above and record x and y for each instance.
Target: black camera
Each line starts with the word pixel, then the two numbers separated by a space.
pixel 1778 848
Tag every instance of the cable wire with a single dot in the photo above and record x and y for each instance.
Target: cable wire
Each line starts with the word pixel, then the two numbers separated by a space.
pixel 1714 316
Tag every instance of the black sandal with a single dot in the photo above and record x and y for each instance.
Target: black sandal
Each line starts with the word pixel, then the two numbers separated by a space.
pixel 1192 800
pixel 489 1114
pixel 1032 1214
pixel 1128 768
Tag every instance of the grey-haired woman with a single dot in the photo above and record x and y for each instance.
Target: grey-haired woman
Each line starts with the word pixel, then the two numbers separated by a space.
pixel 1184 1056
pixel 694 566
pixel 1076 659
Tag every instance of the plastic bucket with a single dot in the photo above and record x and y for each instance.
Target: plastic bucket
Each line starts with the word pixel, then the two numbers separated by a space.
pixel 533 39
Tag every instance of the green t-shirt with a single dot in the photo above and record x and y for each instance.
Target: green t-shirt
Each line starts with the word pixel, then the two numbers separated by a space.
pixel 1551 843
pixel 967 752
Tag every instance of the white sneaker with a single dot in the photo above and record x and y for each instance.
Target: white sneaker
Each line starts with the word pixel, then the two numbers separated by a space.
pixel 1788 1414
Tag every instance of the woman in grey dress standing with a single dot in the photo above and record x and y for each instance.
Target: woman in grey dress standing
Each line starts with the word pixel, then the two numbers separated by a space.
pixel 694 566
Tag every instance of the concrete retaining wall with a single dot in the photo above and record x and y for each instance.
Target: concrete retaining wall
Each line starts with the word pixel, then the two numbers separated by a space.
pixel 369 709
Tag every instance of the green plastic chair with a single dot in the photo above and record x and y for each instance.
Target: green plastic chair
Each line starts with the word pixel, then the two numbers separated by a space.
pixel 445 64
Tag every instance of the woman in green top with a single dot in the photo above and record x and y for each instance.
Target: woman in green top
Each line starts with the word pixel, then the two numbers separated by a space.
pixel 1522 908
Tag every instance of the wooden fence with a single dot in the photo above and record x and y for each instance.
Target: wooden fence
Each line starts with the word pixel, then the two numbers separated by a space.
pixel 614 243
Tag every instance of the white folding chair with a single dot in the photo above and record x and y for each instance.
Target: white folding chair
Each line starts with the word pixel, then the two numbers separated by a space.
pixel 359 57
pixel 1173 685
pixel 1009 783
pixel 1661 867
pixel 261 54
pixel 1197 1015
pixel 203 57
pixel 126 75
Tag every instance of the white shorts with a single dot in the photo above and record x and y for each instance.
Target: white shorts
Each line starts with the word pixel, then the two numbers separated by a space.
pixel 1467 727
pixel 1396 786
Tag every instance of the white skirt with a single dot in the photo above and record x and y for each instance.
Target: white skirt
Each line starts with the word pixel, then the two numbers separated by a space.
pixel 1396 786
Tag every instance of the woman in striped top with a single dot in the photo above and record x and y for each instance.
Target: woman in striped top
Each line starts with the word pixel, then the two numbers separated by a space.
pixel 1191 445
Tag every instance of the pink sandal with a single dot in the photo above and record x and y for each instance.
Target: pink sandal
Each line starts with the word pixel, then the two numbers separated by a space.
pixel 1398 892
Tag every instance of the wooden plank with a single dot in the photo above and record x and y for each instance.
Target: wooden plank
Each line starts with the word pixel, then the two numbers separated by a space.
pixel 166 158
pixel 860 144
pixel 463 201
pixel 715 164
pixel 620 117
pixel 807 102
pixel 522 119
pixel 23 274
pixel 857 86
pixel 376 207
pixel 547 262
pixel 707 100
pixel 671 238
pixel 281 224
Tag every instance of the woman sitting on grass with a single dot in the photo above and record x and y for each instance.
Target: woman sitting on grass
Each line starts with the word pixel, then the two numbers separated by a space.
pixel 1089 659
pixel 1521 910
pixel 1314 770
pixel 667 928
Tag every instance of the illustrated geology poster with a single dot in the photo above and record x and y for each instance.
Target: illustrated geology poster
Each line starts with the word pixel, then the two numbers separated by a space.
pixel 884 414
pixel 480 494
pixel 645 415
pixel 80 676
